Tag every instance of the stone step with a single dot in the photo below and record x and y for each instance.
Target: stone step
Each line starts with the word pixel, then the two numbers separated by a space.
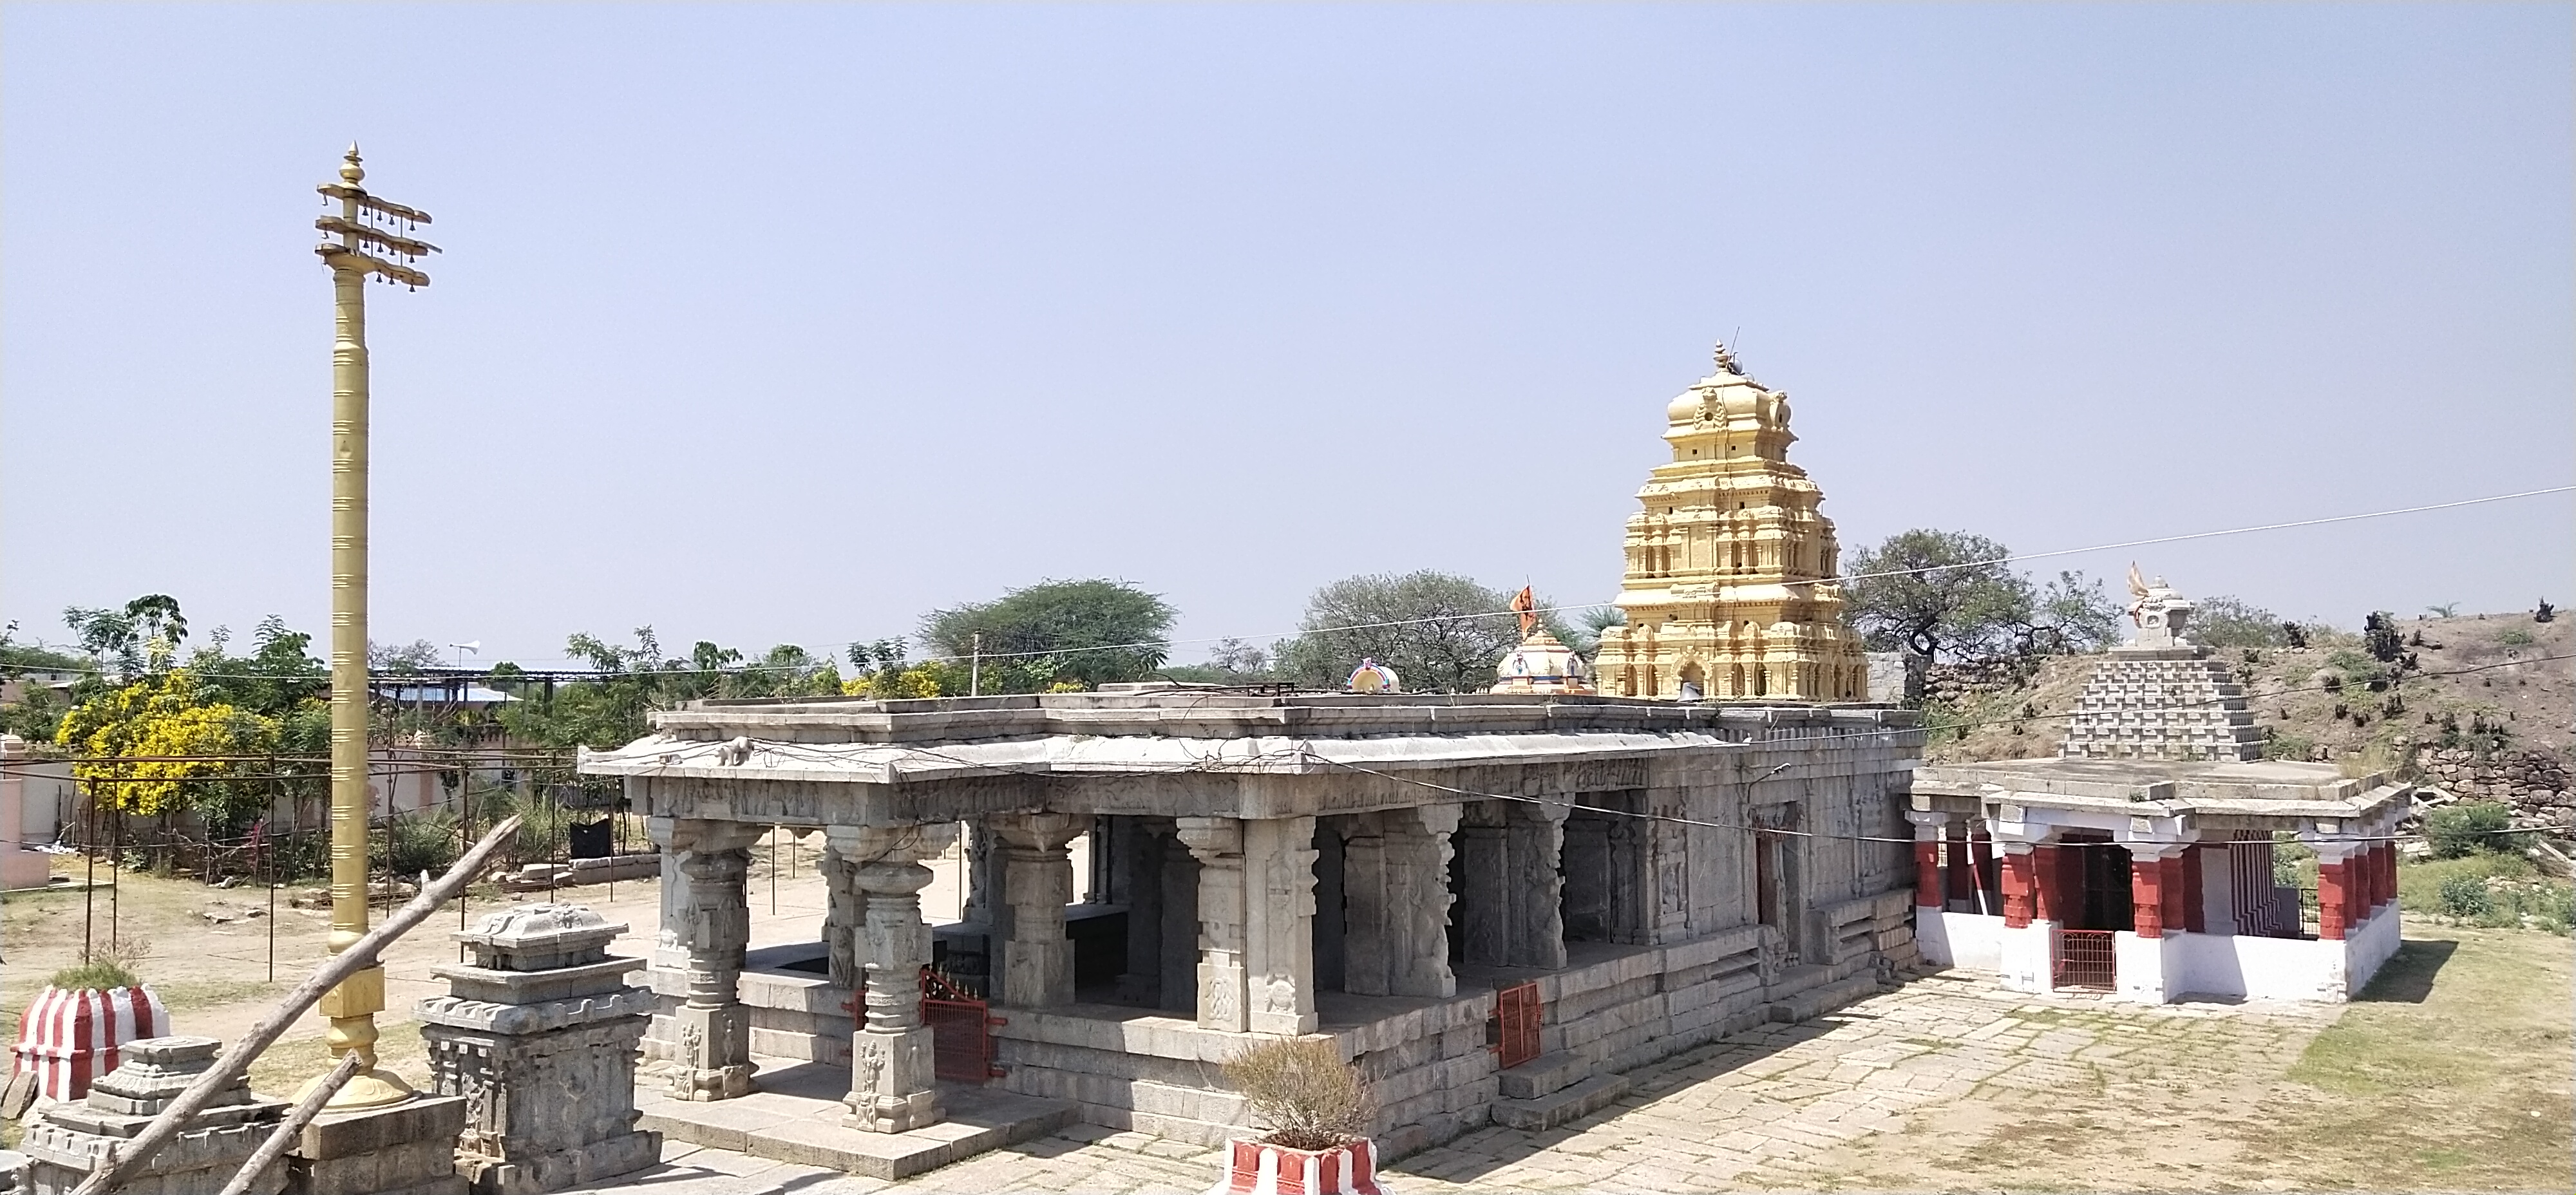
pixel 811 1131
pixel 1562 1107
pixel 1546 1074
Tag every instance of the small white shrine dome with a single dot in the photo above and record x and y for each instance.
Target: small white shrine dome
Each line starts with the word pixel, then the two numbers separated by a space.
pixel 1542 665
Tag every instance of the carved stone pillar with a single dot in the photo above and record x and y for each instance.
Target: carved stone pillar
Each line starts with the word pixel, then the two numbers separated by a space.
pixel 841 915
pixel 1036 966
pixel 1279 924
pixel 893 1086
pixel 706 924
pixel 1179 960
pixel 1217 844
pixel 1417 894
pixel 1534 838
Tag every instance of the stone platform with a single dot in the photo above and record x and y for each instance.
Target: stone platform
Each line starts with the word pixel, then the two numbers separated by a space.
pixel 795 1114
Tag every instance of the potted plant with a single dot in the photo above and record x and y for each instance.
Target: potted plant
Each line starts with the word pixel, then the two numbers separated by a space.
pixel 72 1031
pixel 1318 1113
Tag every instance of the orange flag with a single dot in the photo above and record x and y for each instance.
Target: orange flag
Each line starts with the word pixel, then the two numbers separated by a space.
pixel 1526 606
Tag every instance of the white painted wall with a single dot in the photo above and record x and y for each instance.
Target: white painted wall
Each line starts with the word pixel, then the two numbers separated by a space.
pixel 2025 957
pixel 2370 944
pixel 1968 941
pixel 2259 968
pixel 2145 968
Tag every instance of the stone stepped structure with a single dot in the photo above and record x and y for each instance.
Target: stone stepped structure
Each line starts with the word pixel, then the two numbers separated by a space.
pixel 2161 696
pixel 2163 707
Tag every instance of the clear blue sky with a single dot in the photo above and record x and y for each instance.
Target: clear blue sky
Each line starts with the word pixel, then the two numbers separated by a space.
pixel 788 324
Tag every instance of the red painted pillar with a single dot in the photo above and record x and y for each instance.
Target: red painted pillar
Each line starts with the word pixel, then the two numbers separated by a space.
pixel 1956 876
pixel 2017 878
pixel 2332 908
pixel 2194 894
pixel 1927 873
pixel 2176 914
pixel 2045 889
pixel 2388 873
pixel 2146 896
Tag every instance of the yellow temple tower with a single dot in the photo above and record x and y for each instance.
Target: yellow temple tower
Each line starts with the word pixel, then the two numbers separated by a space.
pixel 1728 592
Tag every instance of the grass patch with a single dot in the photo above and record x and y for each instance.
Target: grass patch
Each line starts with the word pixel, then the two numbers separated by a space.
pixel 288 1065
pixel 2456 1059
pixel 184 995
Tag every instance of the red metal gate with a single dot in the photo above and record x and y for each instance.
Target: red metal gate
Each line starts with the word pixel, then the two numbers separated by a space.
pixel 2084 960
pixel 961 1031
pixel 1518 1011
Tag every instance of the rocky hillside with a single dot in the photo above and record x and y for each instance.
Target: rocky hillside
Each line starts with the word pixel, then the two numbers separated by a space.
pixel 2484 710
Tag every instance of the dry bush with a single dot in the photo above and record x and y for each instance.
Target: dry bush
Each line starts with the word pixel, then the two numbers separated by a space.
pixel 1300 1085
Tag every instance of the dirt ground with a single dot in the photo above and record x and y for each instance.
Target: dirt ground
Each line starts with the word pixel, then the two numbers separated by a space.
pixel 2451 1073
pixel 215 975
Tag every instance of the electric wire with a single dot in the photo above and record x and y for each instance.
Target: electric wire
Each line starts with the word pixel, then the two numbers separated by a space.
pixel 1471 616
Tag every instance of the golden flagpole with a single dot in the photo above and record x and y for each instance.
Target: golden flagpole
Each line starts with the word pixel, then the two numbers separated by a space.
pixel 360 242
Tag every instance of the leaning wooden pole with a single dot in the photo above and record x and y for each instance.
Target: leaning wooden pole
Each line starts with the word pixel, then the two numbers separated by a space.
pixel 282 1138
pixel 118 1163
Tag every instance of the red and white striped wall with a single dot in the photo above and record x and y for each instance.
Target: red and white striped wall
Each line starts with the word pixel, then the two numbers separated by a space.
pixel 70 1038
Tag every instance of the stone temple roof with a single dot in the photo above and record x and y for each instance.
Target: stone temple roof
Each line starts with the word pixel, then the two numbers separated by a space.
pixel 1175 729
pixel 2267 789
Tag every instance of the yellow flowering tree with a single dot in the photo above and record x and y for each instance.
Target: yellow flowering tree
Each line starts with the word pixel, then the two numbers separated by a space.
pixel 157 745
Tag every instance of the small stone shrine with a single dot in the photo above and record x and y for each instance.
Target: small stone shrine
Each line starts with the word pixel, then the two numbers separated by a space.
pixel 65 1142
pixel 2139 861
pixel 540 1034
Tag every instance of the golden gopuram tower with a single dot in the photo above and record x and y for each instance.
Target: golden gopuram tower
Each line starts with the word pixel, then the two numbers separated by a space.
pixel 1728 592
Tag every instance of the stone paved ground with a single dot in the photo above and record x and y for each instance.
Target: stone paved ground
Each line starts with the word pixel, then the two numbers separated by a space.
pixel 1794 1106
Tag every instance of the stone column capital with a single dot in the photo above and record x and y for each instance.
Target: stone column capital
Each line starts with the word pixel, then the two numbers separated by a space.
pixel 890 844
pixel 2141 852
pixel 700 836
pixel 1210 837
pixel 1039 831
pixel 1928 823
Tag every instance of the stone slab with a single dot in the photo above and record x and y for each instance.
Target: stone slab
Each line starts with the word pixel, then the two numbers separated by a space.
pixel 1563 1107
pixel 804 1126
pixel 1544 1075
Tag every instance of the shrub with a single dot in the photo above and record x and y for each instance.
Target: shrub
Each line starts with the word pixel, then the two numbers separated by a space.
pixel 2515 637
pixel 2466 896
pixel 1300 1085
pixel 2280 744
pixel 420 842
pixel 99 974
pixel 2467 828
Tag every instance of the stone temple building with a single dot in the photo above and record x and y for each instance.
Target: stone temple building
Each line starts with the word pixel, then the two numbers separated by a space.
pixel 2140 861
pixel 1492 903
pixel 1729 591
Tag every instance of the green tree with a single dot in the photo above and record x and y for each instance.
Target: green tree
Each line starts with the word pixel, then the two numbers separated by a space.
pixel 1090 633
pixel 1940 593
pixel 2229 621
pixel 1440 632
pixel 141 637
pixel 1949 594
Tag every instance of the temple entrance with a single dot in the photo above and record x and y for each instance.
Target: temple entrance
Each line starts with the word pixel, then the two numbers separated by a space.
pixel 2095 873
